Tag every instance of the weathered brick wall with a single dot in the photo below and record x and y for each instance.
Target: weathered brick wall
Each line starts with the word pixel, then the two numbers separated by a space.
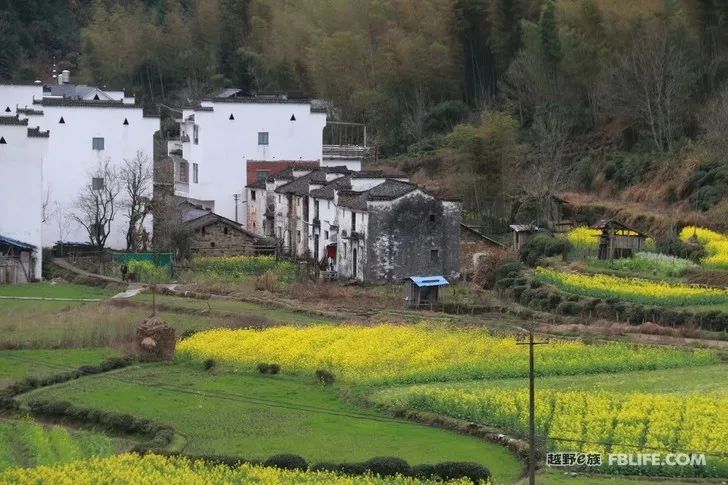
pixel 401 236
pixel 213 240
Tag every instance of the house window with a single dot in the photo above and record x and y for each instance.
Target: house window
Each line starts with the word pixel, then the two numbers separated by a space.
pixel 328 204
pixel 212 244
pixel 262 138
pixel 345 248
pixel 263 174
pixel 195 173
pixel 252 195
pixel 279 198
pixel 298 236
pixel 97 183
pixel 224 230
pixel 97 143
pixel 353 221
pixel 203 230
pixel 326 234
pixel 195 134
pixel 434 255
pixel 316 209
pixel 184 172
pixel 432 217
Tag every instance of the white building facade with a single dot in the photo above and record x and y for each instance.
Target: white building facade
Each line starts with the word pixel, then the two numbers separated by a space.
pixel 88 127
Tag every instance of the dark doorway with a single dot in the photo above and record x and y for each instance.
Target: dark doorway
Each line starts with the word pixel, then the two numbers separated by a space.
pixel 354 265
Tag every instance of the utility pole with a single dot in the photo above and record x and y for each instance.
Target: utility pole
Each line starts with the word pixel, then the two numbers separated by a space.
pixel 531 406
pixel 236 197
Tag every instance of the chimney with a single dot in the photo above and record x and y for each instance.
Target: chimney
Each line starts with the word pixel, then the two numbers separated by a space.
pixel 66 76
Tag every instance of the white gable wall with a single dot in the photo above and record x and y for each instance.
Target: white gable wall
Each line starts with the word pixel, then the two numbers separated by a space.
pixel 224 145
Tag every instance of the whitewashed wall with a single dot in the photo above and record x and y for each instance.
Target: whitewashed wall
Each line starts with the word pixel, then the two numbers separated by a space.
pixel 71 159
pixel 20 95
pixel 225 145
pixel 21 159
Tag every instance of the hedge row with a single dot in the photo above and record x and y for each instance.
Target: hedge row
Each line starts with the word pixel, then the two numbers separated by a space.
pixel 161 435
pixel 382 466
pixel 30 383
pixel 537 296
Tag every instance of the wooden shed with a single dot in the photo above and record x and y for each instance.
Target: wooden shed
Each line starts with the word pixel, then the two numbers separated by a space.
pixel 522 233
pixel 17 261
pixel 423 291
pixel 618 241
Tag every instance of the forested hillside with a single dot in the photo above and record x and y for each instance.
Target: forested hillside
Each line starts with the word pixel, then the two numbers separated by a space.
pixel 504 102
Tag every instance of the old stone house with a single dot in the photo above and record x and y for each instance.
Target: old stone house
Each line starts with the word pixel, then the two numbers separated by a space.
pixel 214 235
pixel 473 244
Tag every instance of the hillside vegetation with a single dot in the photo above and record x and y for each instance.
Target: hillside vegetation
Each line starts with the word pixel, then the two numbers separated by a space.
pixel 505 103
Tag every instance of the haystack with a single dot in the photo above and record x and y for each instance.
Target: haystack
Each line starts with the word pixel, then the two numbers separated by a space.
pixel 155 340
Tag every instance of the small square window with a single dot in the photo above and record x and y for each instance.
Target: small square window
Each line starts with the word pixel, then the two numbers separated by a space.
pixel 97 183
pixel 262 138
pixel 224 230
pixel 326 234
pixel 97 143
pixel 434 255
pixel 432 217
pixel 263 174
pixel 252 195
pixel 195 173
pixel 298 236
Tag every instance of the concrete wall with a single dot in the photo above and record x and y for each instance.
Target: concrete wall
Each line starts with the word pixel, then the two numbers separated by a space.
pixel 225 145
pixel 401 237
pixel 21 197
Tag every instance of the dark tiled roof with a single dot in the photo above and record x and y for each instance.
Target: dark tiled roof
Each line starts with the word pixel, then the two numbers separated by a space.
pixel 29 111
pixel 299 186
pixel 258 184
pixel 85 103
pixel 391 189
pixel 327 191
pixel 13 120
pixel 36 133
pixel 353 200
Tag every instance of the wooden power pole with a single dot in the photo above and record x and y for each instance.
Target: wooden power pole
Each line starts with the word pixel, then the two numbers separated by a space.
pixel 531 406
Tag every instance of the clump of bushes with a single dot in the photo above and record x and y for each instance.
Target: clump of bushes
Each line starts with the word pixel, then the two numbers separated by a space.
pixel 326 377
pixel 208 364
pixel 30 383
pixel 148 272
pixel 386 466
pixel 264 368
pixel 541 245
pixel 287 462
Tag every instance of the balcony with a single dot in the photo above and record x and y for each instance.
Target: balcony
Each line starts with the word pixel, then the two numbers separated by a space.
pixel 344 141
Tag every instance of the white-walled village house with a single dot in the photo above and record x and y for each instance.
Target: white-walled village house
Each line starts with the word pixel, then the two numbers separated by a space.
pixel 87 126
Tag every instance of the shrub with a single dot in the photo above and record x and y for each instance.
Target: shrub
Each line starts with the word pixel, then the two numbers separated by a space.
pixel 274 368
pixel 325 376
pixel 541 245
pixel 287 462
pixel 508 269
pixel 452 470
pixel 423 472
pixel 568 308
pixel 343 468
pixel 263 368
pixel 148 272
pixel 387 466
pixel 7 403
pixel 208 364
pixel 486 271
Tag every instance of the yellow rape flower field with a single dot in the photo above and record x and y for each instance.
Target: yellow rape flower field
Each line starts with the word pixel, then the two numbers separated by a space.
pixel 390 353
pixel 131 469
pixel 715 243
pixel 593 421
pixel 636 290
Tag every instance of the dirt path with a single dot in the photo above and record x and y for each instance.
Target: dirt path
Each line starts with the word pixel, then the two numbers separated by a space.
pixel 63 263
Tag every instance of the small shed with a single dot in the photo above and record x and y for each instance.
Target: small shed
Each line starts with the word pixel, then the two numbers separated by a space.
pixel 423 291
pixel 17 261
pixel 617 240
pixel 522 233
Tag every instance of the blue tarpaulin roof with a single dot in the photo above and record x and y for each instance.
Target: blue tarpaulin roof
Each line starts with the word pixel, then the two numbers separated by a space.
pixel 429 280
pixel 16 243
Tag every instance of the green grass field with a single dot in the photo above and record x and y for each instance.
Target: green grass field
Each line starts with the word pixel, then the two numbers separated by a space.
pixel 258 416
pixel 55 290
pixel 19 364
pixel 272 314
pixel 25 443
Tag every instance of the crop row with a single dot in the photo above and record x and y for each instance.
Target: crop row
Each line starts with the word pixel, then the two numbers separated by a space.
pixel 636 290
pixel 595 421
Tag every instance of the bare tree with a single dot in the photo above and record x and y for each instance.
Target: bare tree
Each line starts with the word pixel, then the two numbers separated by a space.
pixel 136 179
pixel 714 124
pixel 45 201
pixel 546 171
pixel 96 205
pixel 652 84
